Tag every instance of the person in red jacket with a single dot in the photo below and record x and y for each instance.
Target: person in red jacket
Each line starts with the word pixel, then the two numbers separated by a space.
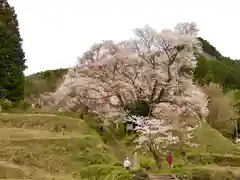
pixel 170 160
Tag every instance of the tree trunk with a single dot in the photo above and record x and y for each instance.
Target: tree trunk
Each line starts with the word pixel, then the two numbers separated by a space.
pixel 158 161
pixel 150 110
pixel 159 164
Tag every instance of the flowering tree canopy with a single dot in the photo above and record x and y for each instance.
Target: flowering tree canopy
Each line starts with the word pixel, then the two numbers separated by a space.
pixel 156 135
pixel 154 67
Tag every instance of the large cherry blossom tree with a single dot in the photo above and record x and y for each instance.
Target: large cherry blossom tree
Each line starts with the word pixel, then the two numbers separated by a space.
pixel 153 67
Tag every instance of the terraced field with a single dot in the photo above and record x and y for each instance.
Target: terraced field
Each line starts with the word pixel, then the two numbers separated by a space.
pixel 45 147
pixel 38 146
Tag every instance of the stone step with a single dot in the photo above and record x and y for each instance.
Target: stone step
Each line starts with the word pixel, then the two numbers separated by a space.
pixel 161 177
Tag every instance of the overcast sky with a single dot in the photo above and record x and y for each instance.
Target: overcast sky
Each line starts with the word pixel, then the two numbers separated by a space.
pixel 55 32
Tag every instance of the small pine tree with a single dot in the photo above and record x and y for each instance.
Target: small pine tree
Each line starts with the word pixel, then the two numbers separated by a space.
pixel 12 57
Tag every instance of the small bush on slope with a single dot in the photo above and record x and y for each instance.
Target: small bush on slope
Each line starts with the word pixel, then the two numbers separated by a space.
pixel 5 104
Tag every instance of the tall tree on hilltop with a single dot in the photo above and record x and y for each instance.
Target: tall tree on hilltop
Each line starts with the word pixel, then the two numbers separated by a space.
pixel 12 57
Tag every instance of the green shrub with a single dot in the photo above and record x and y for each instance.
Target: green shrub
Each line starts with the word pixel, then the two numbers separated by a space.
pixel 147 163
pixel 5 104
pixel 104 172
pixel 96 158
pixel 24 105
pixel 200 159
pixel 226 160
pixel 220 159
pixel 207 174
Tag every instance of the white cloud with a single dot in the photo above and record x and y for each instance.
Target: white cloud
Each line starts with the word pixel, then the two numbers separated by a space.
pixel 55 32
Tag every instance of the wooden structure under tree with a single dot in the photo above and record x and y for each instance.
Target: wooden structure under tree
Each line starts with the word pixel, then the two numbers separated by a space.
pixel 129 125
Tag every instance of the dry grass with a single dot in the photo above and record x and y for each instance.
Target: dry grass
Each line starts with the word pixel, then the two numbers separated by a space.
pixel 12 171
pixel 44 122
pixel 24 134
pixel 221 111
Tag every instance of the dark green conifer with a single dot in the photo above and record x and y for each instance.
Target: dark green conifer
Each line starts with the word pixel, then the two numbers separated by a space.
pixel 12 57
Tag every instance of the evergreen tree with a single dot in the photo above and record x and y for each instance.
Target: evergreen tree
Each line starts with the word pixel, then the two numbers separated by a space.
pixel 12 57
pixel 202 72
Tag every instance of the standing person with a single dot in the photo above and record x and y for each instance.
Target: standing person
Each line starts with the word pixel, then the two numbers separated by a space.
pixel 102 133
pixel 127 164
pixel 170 160
pixel 101 129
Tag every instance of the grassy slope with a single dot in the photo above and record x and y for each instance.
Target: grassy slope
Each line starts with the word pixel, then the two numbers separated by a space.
pixel 37 145
pixel 34 146
pixel 212 141
pixel 216 158
pixel 213 155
